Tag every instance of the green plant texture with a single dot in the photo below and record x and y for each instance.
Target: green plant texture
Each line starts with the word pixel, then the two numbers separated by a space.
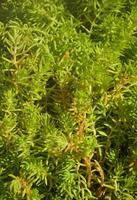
pixel 68 106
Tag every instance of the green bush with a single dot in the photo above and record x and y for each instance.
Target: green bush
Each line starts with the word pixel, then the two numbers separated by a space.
pixel 68 107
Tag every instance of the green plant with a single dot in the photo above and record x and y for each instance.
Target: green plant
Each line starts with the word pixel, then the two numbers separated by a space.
pixel 68 107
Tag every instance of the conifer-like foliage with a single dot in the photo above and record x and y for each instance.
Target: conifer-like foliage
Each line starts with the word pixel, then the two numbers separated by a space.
pixel 68 106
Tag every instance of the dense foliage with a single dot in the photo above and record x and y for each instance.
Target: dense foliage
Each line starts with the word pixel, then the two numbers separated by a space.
pixel 68 106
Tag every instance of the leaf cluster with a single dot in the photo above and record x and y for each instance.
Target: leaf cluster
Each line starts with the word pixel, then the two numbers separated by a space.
pixel 68 107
